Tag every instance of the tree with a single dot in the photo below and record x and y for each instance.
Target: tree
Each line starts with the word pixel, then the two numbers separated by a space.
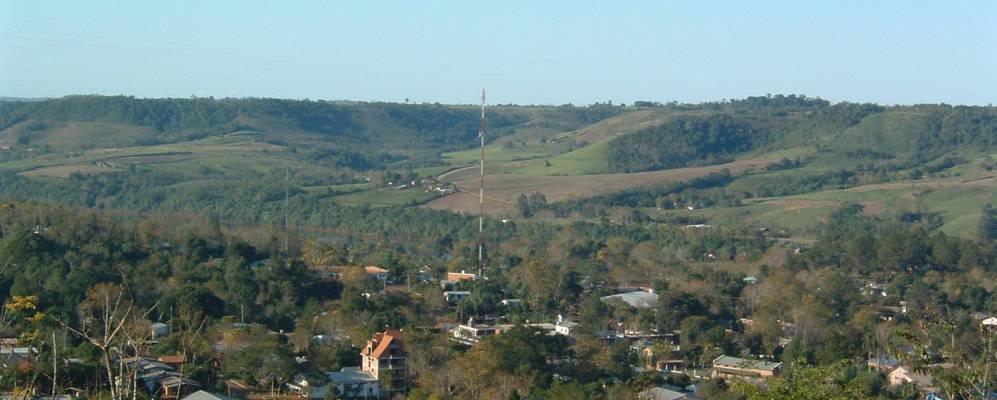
pixel 592 314
pixel 988 223
pixel 266 363
pixel 839 381
pixel 106 316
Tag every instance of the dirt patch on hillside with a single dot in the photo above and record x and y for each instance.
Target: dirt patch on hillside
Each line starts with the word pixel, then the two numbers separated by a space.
pixel 507 187
pixel 465 202
pixel 870 207
pixel 153 158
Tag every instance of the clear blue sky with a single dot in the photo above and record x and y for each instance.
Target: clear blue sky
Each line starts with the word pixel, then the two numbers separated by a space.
pixel 549 52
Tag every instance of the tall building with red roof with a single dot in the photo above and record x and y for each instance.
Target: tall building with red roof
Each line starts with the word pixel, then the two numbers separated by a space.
pixel 385 355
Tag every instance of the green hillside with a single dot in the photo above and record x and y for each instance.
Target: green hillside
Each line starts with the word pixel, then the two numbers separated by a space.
pixel 792 159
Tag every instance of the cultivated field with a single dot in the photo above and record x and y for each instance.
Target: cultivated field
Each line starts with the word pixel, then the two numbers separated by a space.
pixel 506 187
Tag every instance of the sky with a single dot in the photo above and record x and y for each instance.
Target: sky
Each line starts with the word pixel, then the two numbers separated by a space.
pixel 538 52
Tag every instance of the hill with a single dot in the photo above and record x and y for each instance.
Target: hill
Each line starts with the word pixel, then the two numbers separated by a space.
pixel 787 155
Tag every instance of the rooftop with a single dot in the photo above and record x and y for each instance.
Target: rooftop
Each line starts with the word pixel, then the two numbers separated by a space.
pixel 638 299
pixel 660 393
pixel 172 359
pixel 349 375
pixel 202 395
pixel 461 276
pixel 373 269
pixel 384 341
pixel 735 362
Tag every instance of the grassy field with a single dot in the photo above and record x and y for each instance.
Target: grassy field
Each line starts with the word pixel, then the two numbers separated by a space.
pixel 957 201
pixel 386 197
pixel 505 153
pixel 588 160
pixel 235 152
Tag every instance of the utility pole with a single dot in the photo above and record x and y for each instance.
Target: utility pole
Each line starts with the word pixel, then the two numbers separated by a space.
pixel 55 368
pixel 481 192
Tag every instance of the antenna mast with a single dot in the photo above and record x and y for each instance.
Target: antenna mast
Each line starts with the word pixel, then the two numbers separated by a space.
pixel 481 192
pixel 287 197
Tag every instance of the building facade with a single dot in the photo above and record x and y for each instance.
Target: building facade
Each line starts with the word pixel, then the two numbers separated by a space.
pixel 384 358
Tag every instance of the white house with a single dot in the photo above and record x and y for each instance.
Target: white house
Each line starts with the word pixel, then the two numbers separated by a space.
pixel 564 326
pixel 354 383
pixel 307 388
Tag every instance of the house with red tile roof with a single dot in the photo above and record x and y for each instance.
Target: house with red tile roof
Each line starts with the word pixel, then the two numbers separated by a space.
pixel 384 357
pixel 377 273
pixel 461 276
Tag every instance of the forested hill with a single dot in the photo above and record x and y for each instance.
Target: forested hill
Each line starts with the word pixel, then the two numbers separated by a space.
pixel 390 126
pixel 720 135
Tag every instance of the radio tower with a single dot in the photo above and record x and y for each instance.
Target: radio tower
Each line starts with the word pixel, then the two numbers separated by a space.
pixel 481 192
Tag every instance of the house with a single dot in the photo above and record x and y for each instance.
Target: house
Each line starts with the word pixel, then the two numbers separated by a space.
pixel 461 276
pixel 236 389
pixel 174 386
pixel 202 395
pixel 904 375
pixel 564 327
pixel 512 302
pixel 158 330
pixel 749 280
pixel 752 371
pixel 471 333
pixel 673 361
pixel 17 356
pixel 308 388
pixel 425 275
pixel 330 272
pixel 635 299
pixel 661 393
pixel 376 273
pixel 172 359
pixel 151 380
pixel 456 296
pixel 353 383
pixel 546 327
pixel 874 289
pixel 154 375
pixel 385 355
pixel 888 313
pixel 990 322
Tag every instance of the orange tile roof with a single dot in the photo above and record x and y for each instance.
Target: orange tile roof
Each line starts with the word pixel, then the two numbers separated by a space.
pixel 384 340
pixel 373 269
pixel 460 276
pixel 172 359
